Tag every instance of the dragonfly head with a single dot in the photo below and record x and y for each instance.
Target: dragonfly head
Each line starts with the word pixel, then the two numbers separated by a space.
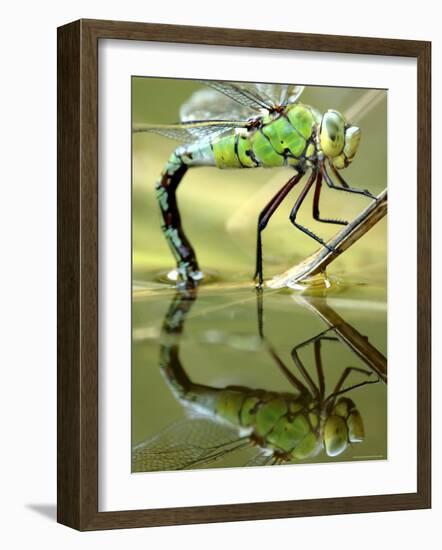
pixel 339 141
pixel 343 426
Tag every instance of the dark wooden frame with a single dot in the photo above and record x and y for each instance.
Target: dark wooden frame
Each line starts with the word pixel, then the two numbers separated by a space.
pixel 78 274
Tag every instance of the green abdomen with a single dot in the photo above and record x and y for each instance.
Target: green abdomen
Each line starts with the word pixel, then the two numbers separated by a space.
pixel 234 151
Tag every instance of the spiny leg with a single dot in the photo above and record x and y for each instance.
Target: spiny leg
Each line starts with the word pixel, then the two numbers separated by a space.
pixel 166 194
pixel 345 375
pixel 341 179
pixel 300 365
pixel 264 218
pixel 320 336
pixel 338 388
pixel 316 340
pixel 295 210
pixel 316 214
pixel 345 186
pixel 294 380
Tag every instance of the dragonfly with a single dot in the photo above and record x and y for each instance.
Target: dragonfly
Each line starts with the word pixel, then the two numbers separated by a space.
pixel 244 126
pixel 276 427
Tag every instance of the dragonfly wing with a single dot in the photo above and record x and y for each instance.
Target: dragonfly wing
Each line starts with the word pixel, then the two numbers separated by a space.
pixel 261 459
pixel 206 104
pixel 247 95
pixel 187 444
pixel 260 95
pixel 237 101
pixel 294 92
pixel 187 132
pixel 280 94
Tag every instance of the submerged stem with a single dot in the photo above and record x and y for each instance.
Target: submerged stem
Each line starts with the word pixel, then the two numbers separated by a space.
pixel 356 341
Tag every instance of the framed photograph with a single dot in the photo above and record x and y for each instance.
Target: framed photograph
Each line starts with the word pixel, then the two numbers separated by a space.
pixel 243 274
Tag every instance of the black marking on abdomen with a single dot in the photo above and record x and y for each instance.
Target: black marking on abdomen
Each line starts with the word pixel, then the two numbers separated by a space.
pixel 251 154
pixel 236 151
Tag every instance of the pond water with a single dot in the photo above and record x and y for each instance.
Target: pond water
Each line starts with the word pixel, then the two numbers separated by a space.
pixel 219 345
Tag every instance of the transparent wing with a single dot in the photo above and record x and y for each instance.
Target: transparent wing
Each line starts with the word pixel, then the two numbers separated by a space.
pixel 261 459
pixel 206 104
pixel 246 95
pixel 188 132
pixel 237 101
pixel 187 444
pixel 280 94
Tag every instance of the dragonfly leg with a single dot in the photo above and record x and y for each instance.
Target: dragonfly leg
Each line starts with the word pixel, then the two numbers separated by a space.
pixel 321 336
pixel 264 219
pixel 316 341
pixel 295 210
pixel 260 312
pixel 171 224
pixel 345 186
pixel 294 380
pixel 316 214
pixel 319 368
pixel 300 365
pixel 338 388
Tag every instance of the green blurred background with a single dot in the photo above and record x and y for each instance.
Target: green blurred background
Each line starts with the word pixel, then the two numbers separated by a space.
pixel 219 210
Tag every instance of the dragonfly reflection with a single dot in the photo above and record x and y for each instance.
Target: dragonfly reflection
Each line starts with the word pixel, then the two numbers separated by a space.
pixel 280 427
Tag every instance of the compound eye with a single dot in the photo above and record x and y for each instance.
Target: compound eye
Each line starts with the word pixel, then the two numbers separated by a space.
pixel 331 125
pixel 332 133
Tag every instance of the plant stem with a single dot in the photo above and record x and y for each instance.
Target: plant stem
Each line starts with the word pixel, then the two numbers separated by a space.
pixel 317 262
pixel 357 342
